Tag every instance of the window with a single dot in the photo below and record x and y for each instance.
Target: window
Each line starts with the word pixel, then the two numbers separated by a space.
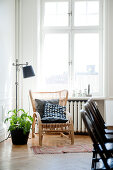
pixel 55 13
pixel 71 45
pixel 86 13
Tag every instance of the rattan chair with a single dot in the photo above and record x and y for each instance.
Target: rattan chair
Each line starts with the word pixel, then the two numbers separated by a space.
pixel 57 128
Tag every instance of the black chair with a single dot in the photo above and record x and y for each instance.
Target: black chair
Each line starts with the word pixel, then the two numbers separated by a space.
pixel 105 139
pixel 105 151
pixel 99 117
pixel 92 114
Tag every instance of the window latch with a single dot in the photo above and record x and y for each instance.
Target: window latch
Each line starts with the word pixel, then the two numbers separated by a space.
pixel 70 62
pixel 70 13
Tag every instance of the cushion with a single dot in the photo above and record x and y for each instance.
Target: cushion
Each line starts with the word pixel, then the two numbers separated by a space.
pixel 54 113
pixel 53 120
pixel 40 104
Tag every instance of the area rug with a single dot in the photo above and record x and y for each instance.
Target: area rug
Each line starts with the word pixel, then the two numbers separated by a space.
pixel 78 148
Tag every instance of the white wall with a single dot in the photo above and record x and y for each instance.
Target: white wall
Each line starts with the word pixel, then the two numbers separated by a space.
pixel 28 47
pixel 7 18
pixel 108 48
pixel 108 51
pixel 109 111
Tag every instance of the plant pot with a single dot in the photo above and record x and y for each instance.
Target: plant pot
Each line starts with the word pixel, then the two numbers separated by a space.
pixel 18 137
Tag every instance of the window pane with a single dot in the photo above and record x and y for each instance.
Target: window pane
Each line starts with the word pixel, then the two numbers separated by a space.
pixel 56 14
pixel 86 61
pixel 86 13
pixel 55 61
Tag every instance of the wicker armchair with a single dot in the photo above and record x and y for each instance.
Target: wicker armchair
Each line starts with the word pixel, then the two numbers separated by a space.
pixel 57 128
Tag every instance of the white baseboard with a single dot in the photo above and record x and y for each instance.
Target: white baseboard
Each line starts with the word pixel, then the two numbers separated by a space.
pixel 2 134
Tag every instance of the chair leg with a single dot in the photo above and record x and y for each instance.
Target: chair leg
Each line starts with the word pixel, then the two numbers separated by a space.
pixel 33 125
pixel 40 135
pixel 72 133
pixel 72 137
pixel 40 139
pixel 33 129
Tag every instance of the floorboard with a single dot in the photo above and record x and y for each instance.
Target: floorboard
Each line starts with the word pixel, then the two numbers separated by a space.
pixel 13 157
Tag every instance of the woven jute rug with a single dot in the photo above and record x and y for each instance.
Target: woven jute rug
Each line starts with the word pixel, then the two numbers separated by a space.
pixel 78 148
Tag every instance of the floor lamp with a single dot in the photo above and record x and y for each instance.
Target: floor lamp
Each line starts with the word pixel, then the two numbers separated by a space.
pixel 27 72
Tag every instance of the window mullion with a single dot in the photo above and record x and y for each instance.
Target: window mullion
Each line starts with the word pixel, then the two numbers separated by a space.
pixel 71 42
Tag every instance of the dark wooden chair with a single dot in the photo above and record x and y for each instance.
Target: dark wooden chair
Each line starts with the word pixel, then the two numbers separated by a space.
pixel 99 117
pixel 104 150
pixel 92 114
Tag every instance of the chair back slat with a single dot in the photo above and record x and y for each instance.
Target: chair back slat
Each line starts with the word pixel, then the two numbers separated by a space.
pixel 93 115
pixel 94 106
pixel 88 124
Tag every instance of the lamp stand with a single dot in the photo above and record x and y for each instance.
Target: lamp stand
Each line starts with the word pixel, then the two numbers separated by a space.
pixel 17 65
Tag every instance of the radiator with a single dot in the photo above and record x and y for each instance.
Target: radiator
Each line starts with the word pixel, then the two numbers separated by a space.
pixel 74 108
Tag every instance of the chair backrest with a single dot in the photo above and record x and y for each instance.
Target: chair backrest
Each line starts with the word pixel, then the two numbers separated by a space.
pixel 94 106
pixel 93 116
pixel 89 126
pixel 62 96
pixel 93 133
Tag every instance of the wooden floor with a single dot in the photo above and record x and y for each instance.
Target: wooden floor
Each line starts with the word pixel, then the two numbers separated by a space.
pixel 13 157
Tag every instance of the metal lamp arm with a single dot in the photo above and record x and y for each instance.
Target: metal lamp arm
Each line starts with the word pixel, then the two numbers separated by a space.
pixel 16 82
pixel 27 73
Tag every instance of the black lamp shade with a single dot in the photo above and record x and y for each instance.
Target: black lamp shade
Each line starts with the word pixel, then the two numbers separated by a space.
pixel 28 71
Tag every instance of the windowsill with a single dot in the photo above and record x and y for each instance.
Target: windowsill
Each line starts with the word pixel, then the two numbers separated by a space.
pixel 86 98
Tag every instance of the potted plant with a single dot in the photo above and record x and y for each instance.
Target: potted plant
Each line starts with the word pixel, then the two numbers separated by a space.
pixel 20 125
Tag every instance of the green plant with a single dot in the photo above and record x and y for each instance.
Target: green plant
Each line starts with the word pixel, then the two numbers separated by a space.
pixel 24 121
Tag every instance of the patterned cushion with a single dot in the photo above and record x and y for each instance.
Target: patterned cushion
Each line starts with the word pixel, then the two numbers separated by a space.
pixel 40 104
pixel 54 113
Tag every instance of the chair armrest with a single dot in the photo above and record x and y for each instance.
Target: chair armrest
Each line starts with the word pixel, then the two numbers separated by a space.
pixel 38 117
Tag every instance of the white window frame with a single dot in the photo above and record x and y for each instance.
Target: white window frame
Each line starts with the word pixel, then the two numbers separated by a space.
pixel 71 30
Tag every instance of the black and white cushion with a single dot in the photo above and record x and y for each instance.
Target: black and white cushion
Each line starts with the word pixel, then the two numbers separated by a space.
pixel 54 113
pixel 40 105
